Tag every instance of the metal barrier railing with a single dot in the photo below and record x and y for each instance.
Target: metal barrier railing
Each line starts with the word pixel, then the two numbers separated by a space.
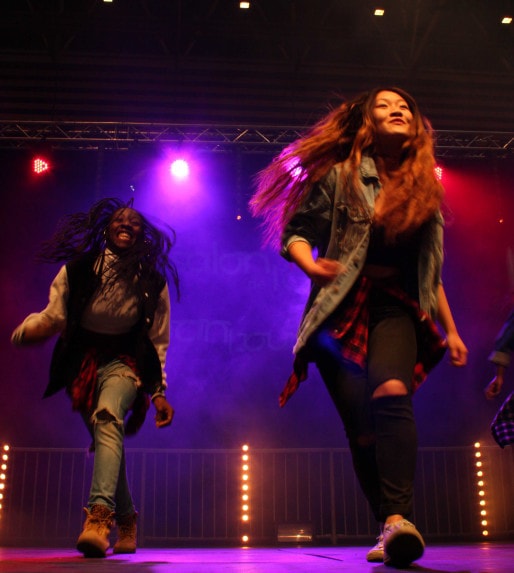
pixel 194 496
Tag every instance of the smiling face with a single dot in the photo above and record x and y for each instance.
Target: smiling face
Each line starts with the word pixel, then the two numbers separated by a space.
pixel 392 116
pixel 125 228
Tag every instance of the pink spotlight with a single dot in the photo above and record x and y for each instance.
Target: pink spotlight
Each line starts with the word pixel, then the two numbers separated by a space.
pixel 295 169
pixel 179 169
pixel 439 172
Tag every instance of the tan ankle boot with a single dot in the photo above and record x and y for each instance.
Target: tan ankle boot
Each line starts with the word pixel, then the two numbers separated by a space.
pixel 127 532
pixel 94 539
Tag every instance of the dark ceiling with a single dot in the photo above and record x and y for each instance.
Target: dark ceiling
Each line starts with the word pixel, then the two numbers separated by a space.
pixel 281 63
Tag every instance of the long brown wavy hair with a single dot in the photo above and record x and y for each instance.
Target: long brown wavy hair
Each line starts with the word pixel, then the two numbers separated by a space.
pixel 412 195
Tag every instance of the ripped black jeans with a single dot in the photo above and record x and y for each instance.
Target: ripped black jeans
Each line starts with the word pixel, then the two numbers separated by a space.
pixel 381 431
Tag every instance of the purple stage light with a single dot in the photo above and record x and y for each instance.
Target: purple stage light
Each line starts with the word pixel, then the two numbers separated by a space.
pixel 179 168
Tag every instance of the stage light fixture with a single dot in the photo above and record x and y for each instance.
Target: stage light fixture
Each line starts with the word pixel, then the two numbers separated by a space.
pixel 439 172
pixel 481 489
pixel 295 532
pixel 295 169
pixel 244 5
pixel 179 168
pixel 245 497
pixel 507 20
pixel 379 12
pixel 40 165
pixel 3 475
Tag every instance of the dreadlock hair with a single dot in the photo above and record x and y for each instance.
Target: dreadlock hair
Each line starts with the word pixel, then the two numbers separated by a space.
pixel 84 233
pixel 345 134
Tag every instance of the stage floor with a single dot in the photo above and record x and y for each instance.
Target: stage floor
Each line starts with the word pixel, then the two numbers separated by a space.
pixel 462 558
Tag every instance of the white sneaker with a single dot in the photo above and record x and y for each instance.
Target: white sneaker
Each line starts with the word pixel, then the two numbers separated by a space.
pixel 376 554
pixel 403 543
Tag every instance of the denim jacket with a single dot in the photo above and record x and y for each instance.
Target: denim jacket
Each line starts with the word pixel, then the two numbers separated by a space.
pixel 504 343
pixel 339 230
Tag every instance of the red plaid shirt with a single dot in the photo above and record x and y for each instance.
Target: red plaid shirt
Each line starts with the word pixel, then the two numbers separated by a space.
pixel 351 327
pixel 502 427
pixel 82 390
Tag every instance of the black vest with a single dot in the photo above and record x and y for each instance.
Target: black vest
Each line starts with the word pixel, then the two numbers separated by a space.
pixel 69 349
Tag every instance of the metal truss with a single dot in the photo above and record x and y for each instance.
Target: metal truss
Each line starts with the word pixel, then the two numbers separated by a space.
pixel 475 144
pixel 119 136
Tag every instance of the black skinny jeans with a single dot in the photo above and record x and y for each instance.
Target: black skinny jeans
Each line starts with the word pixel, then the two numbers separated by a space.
pixel 381 431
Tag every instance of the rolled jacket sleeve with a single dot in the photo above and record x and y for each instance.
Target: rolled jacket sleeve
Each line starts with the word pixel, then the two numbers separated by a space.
pixel 312 221
pixel 504 343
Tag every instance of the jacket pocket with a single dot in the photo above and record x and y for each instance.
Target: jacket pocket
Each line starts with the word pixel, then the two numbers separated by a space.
pixel 352 225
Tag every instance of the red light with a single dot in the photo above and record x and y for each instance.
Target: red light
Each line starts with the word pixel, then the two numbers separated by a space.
pixel 439 172
pixel 40 165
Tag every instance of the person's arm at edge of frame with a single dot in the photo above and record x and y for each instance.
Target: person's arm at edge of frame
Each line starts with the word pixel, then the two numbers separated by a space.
pixel 457 348
pixel 495 386
pixel 500 357
pixel 39 327
pixel 160 337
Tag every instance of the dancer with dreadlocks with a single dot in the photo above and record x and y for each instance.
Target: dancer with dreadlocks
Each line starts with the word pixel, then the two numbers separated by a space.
pixel 110 305
pixel 355 203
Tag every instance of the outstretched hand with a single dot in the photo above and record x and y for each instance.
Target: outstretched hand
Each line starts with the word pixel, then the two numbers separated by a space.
pixel 163 412
pixel 31 332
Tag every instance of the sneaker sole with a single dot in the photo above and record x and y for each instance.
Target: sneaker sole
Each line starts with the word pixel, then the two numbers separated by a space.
pixel 403 549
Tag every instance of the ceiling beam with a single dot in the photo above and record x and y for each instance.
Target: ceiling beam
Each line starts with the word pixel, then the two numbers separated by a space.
pixel 91 136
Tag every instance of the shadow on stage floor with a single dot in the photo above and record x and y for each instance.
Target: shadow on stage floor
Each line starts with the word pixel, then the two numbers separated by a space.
pixel 462 558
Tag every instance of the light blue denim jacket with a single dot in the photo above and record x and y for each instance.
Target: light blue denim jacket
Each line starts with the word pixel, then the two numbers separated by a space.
pixel 338 230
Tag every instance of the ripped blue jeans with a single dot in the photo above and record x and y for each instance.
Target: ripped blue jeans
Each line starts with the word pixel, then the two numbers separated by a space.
pixel 116 391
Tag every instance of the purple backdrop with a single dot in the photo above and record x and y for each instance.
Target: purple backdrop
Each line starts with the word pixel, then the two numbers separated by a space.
pixel 234 327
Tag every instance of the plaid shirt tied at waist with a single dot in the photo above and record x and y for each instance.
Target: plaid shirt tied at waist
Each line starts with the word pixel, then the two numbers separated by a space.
pixel 97 350
pixel 502 426
pixel 351 328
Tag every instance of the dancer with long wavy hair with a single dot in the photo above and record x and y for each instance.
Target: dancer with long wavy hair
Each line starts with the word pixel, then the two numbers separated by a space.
pixel 110 306
pixel 356 204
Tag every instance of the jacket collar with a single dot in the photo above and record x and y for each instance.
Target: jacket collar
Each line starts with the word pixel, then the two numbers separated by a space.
pixel 368 169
